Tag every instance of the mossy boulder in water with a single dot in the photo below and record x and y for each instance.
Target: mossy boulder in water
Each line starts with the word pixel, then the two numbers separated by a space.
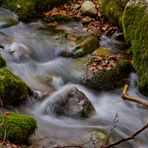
pixel 18 127
pixel 29 8
pixel 135 27
pixel 107 72
pixel 113 9
pixel 72 103
pixel 2 62
pixel 85 45
pixel 12 89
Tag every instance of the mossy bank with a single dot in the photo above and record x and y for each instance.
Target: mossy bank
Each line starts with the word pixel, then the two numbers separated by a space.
pixel 19 127
pixel 29 8
pixel 113 9
pixel 135 27
pixel 12 89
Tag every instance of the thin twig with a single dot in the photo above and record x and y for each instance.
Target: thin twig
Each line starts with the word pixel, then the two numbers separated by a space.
pixel 128 138
pixel 113 126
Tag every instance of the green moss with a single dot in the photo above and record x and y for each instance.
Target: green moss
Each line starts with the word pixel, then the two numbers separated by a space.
pixel 109 79
pixel 85 46
pixel 18 127
pixel 113 9
pixel 23 8
pixel 12 89
pixel 135 27
pixel 62 18
pixel 29 8
pixel 2 62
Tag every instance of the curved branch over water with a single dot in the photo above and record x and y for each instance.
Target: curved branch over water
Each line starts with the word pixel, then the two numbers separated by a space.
pixel 125 96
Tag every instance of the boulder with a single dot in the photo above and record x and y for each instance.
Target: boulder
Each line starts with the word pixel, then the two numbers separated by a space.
pixel 135 27
pixel 107 73
pixel 88 8
pixel 85 46
pixel 7 18
pixel 72 103
pixel 113 9
pixel 12 89
pixel 19 127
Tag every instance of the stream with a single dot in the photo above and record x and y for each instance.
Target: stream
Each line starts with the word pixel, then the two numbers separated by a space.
pixel 33 51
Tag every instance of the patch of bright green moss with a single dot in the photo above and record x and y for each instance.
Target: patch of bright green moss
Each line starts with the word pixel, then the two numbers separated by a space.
pixel 23 8
pixel 2 62
pixel 135 28
pixel 12 89
pixel 29 8
pixel 18 127
pixel 113 9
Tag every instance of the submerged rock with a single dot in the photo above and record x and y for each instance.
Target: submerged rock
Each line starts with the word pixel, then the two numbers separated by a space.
pixel 72 103
pixel 18 126
pixel 12 89
pixel 19 52
pixel 135 27
pixel 7 18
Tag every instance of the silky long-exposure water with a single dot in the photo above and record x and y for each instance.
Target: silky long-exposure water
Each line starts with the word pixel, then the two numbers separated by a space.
pixel 33 51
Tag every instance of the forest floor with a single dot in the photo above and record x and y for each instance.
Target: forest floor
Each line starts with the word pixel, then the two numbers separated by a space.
pixel 97 25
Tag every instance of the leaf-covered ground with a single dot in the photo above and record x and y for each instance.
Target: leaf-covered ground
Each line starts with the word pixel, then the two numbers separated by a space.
pixel 101 62
pixel 97 25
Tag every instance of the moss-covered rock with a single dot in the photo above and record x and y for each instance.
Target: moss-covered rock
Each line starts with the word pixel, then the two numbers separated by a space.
pixel 135 28
pixel 2 62
pixel 85 45
pixel 29 8
pixel 113 9
pixel 12 89
pixel 18 127
pixel 107 77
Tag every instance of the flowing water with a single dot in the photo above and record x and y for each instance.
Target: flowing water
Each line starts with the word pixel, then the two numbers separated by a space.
pixel 33 52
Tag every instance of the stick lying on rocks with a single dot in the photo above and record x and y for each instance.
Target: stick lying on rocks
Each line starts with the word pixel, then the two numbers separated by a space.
pixel 125 96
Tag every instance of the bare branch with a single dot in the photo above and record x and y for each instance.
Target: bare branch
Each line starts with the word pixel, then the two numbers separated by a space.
pixel 128 138
pixel 125 96
pixel 113 126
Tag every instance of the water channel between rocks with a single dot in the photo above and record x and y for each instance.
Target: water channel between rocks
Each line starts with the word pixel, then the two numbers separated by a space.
pixel 33 52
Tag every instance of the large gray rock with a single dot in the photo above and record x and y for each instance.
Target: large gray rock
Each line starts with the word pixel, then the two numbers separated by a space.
pixel 72 103
pixel 88 8
pixel 7 18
